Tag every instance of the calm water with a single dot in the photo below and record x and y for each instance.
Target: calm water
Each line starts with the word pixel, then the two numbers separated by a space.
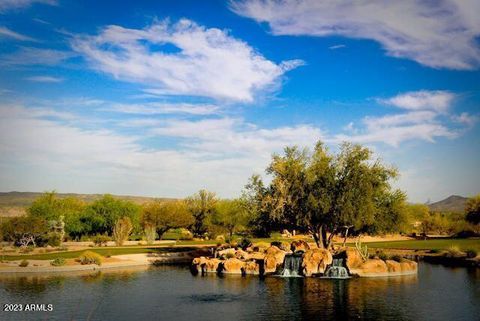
pixel 172 293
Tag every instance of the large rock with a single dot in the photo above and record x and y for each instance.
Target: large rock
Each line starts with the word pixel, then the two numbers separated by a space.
pixel 233 266
pixel 353 258
pixel 204 264
pixel 242 255
pixel 273 259
pixel 408 267
pixel 393 266
pixel 226 253
pixel 377 267
pixel 251 267
pixel 299 245
pixel 315 261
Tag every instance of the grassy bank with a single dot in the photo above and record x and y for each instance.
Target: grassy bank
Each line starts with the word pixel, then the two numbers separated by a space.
pixel 105 251
pixel 434 244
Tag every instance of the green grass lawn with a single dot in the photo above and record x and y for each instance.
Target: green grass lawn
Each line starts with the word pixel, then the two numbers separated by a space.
pixel 435 244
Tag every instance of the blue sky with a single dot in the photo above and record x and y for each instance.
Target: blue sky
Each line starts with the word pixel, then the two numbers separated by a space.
pixel 162 98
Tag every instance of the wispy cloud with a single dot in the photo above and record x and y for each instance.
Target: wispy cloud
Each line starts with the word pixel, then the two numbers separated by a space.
pixel 154 108
pixel 440 34
pixel 337 47
pixel 6 5
pixel 5 32
pixel 424 118
pixel 45 79
pixel 183 59
pixel 437 100
pixel 35 56
pixel 217 153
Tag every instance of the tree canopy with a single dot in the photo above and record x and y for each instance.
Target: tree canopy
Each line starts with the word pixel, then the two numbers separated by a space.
pixel 165 215
pixel 320 192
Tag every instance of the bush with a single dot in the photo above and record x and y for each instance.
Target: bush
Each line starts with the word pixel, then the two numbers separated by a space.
pixel 26 249
pixel 434 251
pixel 244 243
pixel 382 256
pixel 186 235
pixel 59 261
pixel 122 230
pixel 89 257
pixel 397 258
pixel 24 263
pixel 471 253
pixel 229 255
pixel 454 251
pixel 54 239
pixel 100 240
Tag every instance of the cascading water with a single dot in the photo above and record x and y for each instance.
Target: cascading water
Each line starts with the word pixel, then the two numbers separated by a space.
pixel 292 265
pixel 336 270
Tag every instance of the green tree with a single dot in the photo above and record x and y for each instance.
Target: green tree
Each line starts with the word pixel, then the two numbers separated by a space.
pixel 230 215
pixel 253 197
pixel 472 210
pixel 201 205
pixel 25 230
pixel 166 215
pixel 325 194
pixel 101 216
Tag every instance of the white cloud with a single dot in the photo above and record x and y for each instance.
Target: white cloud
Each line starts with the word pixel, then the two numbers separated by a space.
pixel 156 108
pixel 424 119
pixel 465 119
pixel 35 56
pixel 6 5
pixel 439 34
pixel 438 100
pixel 335 47
pixel 44 79
pixel 5 32
pixel 183 59
pixel 41 148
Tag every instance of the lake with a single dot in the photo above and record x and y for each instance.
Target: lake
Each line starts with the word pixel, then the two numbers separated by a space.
pixel 173 293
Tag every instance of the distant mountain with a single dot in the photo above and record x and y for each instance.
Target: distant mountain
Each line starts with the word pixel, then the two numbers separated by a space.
pixel 15 203
pixel 453 203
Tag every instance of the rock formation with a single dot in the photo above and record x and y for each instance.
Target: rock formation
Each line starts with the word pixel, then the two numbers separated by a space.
pixel 315 261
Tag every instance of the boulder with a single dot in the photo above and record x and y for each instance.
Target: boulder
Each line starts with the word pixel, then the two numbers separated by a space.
pixel 251 267
pixel 256 255
pixel 242 255
pixel 203 264
pixel 371 267
pixel 233 266
pixel 353 258
pixel 273 259
pixel 393 266
pixel 299 245
pixel 226 253
pixel 315 261
pixel 408 266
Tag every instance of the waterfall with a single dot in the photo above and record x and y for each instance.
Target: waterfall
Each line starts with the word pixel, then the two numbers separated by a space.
pixel 292 265
pixel 336 270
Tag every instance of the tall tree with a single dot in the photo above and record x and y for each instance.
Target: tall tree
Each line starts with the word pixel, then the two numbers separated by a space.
pixel 230 215
pixel 165 215
pixel 472 209
pixel 201 205
pixel 325 194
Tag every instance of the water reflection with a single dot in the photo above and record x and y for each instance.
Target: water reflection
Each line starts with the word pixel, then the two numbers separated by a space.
pixel 172 293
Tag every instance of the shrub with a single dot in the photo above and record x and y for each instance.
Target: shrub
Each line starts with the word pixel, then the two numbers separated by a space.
pixel 471 253
pixel 100 240
pixel 150 234
pixel 229 255
pixel 382 256
pixel 89 257
pixel 186 235
pixel 26 249
pixel 54 239
pixel 434 251
pixel 454 251
pixel 24 263
pixel 244 243
pixel 397 258
pixel 122 229
pixel 59 261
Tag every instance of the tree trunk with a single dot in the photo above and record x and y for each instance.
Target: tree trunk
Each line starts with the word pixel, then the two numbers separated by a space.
pixel 346 235
pixel 324 237
pixel 318 236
